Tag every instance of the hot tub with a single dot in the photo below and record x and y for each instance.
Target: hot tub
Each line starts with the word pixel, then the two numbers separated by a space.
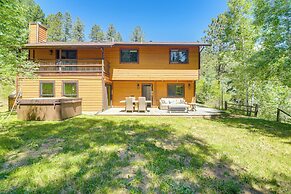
pixel 48 109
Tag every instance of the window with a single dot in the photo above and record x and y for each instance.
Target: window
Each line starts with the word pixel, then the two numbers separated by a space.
pixel 68 57
pixel 176 90
pixel 66 54
pixel 70 88
pixel 128 56
pixel 47 89
pixel 179 56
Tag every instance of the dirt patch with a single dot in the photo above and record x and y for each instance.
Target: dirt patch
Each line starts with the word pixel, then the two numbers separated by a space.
pixel 24 156
pixel 135 173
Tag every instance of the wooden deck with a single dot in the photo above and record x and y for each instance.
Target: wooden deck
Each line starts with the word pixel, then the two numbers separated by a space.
pixel 200 112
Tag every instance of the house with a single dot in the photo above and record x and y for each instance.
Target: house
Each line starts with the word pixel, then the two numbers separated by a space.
pixel 104 73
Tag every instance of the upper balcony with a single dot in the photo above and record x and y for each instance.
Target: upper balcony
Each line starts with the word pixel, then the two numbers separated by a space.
pixel 73 66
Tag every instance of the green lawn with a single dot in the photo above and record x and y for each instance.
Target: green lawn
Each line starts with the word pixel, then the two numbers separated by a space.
pixel 145 154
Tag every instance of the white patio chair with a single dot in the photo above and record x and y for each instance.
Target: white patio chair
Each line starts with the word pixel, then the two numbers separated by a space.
pixel 128 104
pixel 142 104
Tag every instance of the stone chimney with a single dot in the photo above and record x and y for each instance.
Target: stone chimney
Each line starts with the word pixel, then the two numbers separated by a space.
pixel 37 33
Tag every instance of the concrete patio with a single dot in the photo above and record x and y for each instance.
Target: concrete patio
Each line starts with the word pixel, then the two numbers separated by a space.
pixel 201 111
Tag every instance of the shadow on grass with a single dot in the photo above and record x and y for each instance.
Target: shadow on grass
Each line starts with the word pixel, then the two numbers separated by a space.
pixel 102 155
pixel 264 127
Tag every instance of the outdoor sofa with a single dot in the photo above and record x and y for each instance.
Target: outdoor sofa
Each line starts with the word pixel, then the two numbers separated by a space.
pixel 173 105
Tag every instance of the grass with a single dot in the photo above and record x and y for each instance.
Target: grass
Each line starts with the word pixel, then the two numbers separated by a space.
pixel 90 154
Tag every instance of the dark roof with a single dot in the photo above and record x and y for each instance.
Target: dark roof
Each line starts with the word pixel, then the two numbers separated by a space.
pixel 160 44
pixel 111 44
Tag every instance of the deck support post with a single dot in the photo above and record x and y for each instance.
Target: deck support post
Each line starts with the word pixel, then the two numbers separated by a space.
pixel 104 92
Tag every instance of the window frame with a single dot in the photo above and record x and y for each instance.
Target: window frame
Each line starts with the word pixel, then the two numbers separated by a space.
pixel 186 49
pixel 59 53
pixel 120 51
pixel 183 84
pixel 70 82
pixel 46 82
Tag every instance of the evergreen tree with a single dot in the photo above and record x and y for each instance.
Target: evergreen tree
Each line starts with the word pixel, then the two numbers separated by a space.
pixel 111 33
pixel 216 58
pixel 96 34
pixel 55 27
pixel 67 27
pixel 137 35
pixel 118 37
pixel 78 31
pixel 33 11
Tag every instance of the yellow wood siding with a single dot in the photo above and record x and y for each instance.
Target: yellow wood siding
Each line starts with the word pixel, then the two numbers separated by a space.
pixel 44 54
pixel 89 53
pixel 153 67
pixel 122 89
pixel 154 74
pixel 152 57
pixel 32 33
pixel 90 89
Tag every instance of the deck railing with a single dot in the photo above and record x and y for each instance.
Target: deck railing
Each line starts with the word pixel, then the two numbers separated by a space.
pixel 72 66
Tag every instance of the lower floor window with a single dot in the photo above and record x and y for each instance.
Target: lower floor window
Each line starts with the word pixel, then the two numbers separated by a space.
pixel 70 88
pixel 176 90
pixel 47 89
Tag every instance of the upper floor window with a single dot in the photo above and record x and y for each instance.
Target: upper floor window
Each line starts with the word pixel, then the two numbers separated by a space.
pixel 128 56
pixel 47 88
pixel 67 56
pixel 70 88
pixel 179 56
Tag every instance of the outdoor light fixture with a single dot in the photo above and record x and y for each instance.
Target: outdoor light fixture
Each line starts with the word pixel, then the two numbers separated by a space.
pixel 51 52
pixel 137 85
pixel 189 85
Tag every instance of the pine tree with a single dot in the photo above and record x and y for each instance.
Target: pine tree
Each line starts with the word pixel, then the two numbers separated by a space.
pixel 118 37
pixel 78 31
pixel 111 33
pixel 55 27
pixel 137 35
pixel 96 34
pixel 34 11
pixel 67 27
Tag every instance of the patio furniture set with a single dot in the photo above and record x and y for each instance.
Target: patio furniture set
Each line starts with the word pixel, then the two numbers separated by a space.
pixel 169 104
pixel 131 104
pixel 177 105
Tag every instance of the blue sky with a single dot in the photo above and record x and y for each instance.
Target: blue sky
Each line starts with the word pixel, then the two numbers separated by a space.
pixel 161 20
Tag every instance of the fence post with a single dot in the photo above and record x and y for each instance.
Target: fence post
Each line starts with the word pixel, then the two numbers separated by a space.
pixel 278 115
pixel 256 110
pixel 225 105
